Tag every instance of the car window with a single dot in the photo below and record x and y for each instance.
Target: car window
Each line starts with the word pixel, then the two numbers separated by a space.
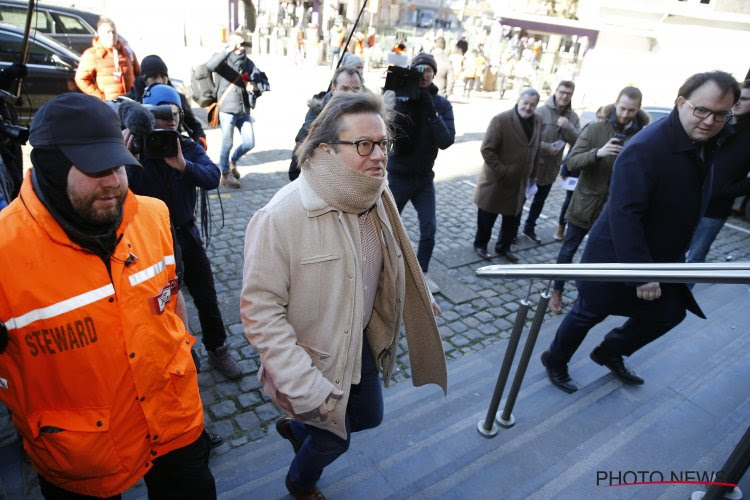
pixel 17 17
pixel 71 24
pixel 10 50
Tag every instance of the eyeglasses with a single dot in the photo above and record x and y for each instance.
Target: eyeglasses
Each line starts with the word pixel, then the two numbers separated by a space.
pixel 365 147
pixel 703 113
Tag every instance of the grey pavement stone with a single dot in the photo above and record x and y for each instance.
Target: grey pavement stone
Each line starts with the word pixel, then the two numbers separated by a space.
pixel 224 428
pixel 267 412
pixel 247 421
pixel 223 408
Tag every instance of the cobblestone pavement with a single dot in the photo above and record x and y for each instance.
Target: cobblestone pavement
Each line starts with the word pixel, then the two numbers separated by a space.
pixel 476 312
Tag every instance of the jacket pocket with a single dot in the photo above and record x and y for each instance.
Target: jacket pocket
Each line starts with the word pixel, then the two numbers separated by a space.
pixel 75 443
pixel 585 207
pixel 321 359
pixel 315 259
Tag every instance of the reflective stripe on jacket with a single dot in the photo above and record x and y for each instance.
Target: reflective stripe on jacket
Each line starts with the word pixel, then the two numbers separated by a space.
pixel 98 372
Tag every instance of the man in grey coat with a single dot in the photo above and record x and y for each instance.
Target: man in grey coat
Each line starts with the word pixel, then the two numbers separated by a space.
pixel 509 149
pixel 560 126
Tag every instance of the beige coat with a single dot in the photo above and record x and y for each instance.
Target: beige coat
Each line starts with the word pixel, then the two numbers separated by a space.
pixel 302 301
pixel 509 161
pixel 548 163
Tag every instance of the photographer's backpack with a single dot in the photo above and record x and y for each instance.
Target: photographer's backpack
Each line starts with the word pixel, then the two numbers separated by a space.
pixel 202 86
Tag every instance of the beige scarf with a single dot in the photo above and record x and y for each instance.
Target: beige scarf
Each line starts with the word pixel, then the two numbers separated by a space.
pixel 353 192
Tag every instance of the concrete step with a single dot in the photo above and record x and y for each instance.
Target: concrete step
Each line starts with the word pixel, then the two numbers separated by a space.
pixel 688 416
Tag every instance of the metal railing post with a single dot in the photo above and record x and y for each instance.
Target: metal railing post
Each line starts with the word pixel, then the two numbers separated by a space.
pixel 487 427
pixel 507 419
pixel 731 473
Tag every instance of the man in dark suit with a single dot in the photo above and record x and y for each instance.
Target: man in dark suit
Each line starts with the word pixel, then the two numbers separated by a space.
pixel 659 190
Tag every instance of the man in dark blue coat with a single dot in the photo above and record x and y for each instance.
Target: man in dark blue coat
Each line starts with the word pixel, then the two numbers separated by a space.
pixel 423 126
pixel 174 181
pixel 659 190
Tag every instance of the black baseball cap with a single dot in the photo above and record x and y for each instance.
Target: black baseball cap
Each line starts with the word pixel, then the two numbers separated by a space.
pixel 85 129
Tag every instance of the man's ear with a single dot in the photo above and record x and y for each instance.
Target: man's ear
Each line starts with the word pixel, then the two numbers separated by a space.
pixel 325 147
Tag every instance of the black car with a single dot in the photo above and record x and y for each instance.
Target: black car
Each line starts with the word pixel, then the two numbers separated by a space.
pixel 73 28
pixel 51 68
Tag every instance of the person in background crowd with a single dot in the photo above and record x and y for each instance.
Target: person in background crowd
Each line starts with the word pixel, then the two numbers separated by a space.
pixel 423 126
pixel 731 166
pixel 345 79
pixel 566 174
pixel 560 126
pixel 154 70
pixel 509 149
pixel 84 255
pixel 324 330
pixel 444 78
pixel 108 68
pixel 236 75
pixel 594 156
pixel 661 183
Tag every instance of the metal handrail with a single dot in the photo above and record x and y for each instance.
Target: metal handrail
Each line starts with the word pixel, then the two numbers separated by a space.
pixel 723 272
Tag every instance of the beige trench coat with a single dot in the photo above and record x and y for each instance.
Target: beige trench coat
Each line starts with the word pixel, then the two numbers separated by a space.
pixel 302 301
pixel 509 161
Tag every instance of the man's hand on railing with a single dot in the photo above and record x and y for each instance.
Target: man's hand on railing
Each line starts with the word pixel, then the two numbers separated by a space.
pixel 649 291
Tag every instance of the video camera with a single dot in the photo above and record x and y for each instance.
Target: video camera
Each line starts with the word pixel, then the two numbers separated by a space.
pixel 152 143
pixel 404 82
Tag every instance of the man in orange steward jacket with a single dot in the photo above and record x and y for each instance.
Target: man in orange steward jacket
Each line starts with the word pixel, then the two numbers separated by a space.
pixel 95 364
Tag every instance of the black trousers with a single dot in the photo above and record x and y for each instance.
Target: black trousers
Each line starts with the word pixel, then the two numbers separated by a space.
pixel 537 204
pixel 200 283
pixel 623 340
pixel 508 230
pixel 180 474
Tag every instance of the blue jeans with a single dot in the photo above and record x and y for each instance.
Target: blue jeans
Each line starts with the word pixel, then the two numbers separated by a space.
pixel 320 447
pixel 421 192
pixel 705 234
pixel 572 240
pixel 228 122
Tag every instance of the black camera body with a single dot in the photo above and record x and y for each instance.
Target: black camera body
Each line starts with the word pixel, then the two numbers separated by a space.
pixel 619 138
pixel 154 144
pixel 404 82
pixel 160 143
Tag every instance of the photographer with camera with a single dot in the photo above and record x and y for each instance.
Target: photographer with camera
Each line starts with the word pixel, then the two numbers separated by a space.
pixel 237 74
pixel 594 155
pixel 154 70
pixel 423 124
pixel 173 176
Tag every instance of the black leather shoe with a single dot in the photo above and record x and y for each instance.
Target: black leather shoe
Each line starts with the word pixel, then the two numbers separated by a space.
pixel 558 375
pixel 483 253
pixel 313 494
pixel 284 428
pixel 509 256
pixel 616 366
pixel 533 237
pixel 214 440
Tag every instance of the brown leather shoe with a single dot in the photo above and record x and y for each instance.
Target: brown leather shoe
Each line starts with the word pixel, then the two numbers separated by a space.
pixel 509 256
pixel 233 170
pixel 227 179
pixel 313 494
pixel 555 302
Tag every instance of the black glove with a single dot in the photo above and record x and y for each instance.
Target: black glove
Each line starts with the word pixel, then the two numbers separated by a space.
pixel 425 100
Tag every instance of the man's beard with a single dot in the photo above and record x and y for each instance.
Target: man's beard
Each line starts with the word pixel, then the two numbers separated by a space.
pixel 84 206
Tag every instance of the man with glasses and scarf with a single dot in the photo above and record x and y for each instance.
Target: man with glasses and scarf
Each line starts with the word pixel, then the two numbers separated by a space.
pixel 660 187
pixel 329 272
pixel 174 181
